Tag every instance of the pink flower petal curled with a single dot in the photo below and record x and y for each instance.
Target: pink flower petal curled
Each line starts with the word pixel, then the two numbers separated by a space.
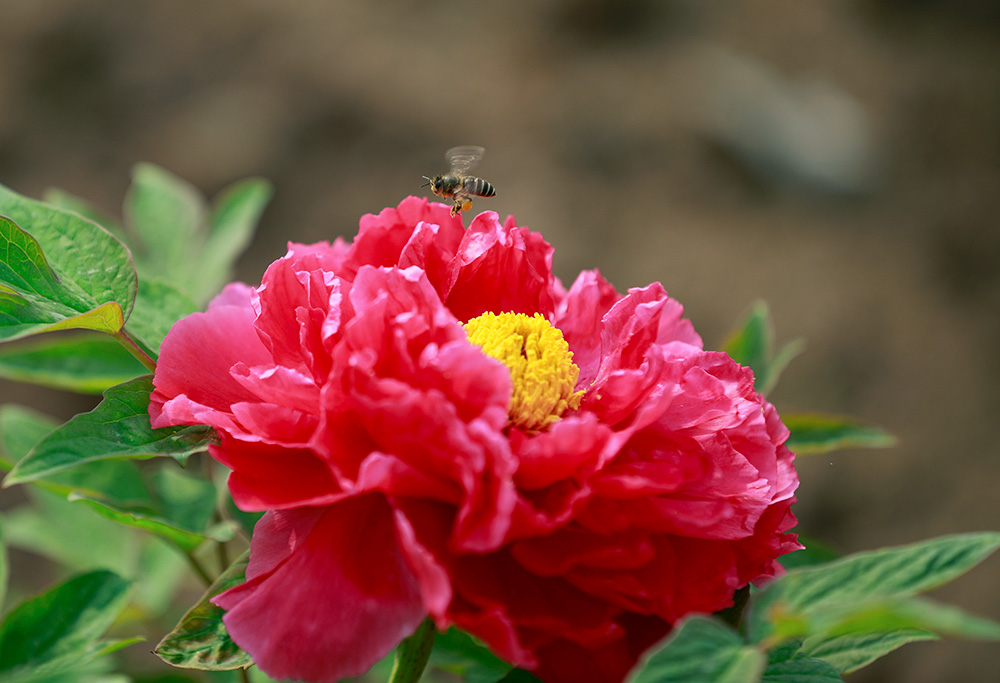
pixel 417 232
pixel 327 592
pixel 274 477
pixel 579 317
pixel 197 356
pixel 501 268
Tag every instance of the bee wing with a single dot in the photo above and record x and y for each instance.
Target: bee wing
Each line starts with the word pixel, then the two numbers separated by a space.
pixel 464 158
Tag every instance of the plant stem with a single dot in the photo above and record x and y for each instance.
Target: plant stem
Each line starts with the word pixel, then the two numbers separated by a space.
pixel 733 615
pixel 412 654
pixel 223 555
pixel 121 336
pixel 218 514
pixel 244 676
pixel 198 569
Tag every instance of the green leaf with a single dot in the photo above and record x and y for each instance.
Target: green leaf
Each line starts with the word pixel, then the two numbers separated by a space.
pixel 752 343
pixel 855 634
pixel 235 214
pixel 853 651
pixel 59 271
pixel 159 570
pixel 148 520
pixel 81 362
pixel 181 511
pixel 825 433
pixel 464 656
pixel 105 318
pixel 174 505
pixel 118 428
pixel 200 640
pixel 786 664
pixel 178 241
pixel 24 267
pixel 69 202
pixel 702 650
pixel 52 527
pixel 813 600
pixel 185 499
pixel 118 480
pixel 96 671
pixel 20 429
pixel 877 616
pixel 157 308
pixel 166 215
pixel 59 630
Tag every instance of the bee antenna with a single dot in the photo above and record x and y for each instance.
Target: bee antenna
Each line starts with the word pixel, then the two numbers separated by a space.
pixel 427 179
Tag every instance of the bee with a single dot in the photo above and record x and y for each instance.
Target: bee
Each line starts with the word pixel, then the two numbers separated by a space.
pixel 455 184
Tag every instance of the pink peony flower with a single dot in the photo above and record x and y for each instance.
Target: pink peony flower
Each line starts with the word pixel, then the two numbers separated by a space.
pixel 435 425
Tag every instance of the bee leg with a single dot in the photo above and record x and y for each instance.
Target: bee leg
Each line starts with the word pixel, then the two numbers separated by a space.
pixel 462 203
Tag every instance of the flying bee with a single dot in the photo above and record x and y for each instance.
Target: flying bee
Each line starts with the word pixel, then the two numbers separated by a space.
pixel 455 184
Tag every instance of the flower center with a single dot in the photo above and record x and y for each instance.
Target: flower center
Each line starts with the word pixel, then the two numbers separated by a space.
pixel 540 363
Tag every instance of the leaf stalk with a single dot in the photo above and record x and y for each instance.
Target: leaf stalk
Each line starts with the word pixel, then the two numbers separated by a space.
pixel 121 336
pixel 412 654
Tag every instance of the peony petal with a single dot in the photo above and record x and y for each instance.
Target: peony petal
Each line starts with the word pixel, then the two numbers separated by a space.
pixel 557 554
pixel 579 317
pixel 294 301
pixel 387 239
pixel 642 324
pixel 685 575
pixel 562 452
pixel 428 397
pixel 274 424
pixel 351 405
pixel 501 268
pixel 432 248
pixel 268 477
pixel 564 661
pixel 279 384
pixel 185 368
pixel 499 586
pixel 181 410
pixel 327 594
pixel 434 521
pixel 233 294
pixel 629 399
pixel 471 456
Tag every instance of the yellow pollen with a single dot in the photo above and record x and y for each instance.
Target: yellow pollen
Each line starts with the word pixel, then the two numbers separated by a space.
pixel 541 365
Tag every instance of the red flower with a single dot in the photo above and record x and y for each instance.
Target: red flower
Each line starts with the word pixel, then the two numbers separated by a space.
pixel 434 424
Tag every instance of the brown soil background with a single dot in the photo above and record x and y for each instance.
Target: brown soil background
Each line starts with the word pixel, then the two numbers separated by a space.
pixel 601 132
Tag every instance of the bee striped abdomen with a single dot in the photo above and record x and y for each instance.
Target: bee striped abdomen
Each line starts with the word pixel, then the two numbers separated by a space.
pixel 479 187
pixel 455 184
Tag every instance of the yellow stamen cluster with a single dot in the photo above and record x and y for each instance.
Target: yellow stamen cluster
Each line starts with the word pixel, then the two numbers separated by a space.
pixel 541 365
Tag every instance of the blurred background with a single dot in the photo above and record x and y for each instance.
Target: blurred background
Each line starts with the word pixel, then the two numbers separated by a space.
pixel 840 160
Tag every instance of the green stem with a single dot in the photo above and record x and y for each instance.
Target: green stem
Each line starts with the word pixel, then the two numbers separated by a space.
pixel 733 615
pixel 413 653
pixel 218 514
pixel 198 569
pixel 223 554
pixel 121 336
